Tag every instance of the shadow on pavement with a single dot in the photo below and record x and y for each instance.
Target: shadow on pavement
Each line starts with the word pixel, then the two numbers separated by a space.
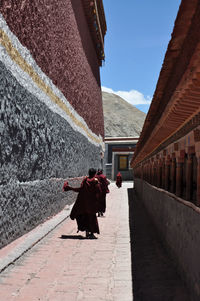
pixel 72 237
pixel 154 275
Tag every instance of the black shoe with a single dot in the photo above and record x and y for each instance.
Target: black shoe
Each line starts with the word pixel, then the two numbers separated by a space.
pixel 87 235
pixel 92 236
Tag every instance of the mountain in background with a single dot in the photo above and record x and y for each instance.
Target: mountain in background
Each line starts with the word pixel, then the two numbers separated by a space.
pixel 121 119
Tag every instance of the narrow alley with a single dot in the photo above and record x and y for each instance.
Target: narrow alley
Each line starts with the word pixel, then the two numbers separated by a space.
pixel 64 266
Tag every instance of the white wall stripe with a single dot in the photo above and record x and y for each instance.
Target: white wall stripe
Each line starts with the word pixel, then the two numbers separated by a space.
pixel 26 81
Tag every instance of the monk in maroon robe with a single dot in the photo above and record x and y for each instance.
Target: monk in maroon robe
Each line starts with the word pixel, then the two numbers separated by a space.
pixel 104 190
pixel 87 204
pixel 119 180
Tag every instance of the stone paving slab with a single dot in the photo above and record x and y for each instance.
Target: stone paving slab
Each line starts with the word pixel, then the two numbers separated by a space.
pixel 17 248
pixel 64 266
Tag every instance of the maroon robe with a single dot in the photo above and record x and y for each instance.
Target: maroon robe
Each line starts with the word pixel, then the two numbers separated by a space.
pixel 86 205
pixel 119 180
pixel 104 189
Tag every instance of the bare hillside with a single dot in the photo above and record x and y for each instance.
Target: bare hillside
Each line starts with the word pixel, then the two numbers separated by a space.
pixel 121 119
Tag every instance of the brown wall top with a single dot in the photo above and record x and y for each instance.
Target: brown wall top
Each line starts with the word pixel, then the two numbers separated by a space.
pixel 95 15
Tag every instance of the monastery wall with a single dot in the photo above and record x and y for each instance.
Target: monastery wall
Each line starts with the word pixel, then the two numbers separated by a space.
pixel 166 162
pixel 167 182
pixel 51 121
pixel 178 223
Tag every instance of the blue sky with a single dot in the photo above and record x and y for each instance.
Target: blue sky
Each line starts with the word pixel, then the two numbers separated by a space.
pixel 138 33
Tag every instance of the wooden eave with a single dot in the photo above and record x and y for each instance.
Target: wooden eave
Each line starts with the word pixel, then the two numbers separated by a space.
pixel 94 12
pixel 177 96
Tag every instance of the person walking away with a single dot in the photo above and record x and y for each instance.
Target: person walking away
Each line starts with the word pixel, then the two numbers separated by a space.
pixel 104 190
pixel 119 180
pixel 86 204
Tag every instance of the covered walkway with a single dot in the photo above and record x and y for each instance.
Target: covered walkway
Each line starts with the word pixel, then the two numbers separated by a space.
pixel 64 266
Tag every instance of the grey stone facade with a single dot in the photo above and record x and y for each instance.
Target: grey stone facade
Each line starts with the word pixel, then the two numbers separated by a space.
pixel 178 222
pixel 25 205
pixel 38 150
pixel 37 143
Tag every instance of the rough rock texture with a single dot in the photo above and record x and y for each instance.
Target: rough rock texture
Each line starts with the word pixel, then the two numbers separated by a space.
pixel 154 273
pixel 178 223
pixel 25 205
pixel 121 119
pixel 35 142
pixel 36 145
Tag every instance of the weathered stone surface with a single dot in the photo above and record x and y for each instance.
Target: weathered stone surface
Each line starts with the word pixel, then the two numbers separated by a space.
pixel 38 150
pixel 25 205
pixel 178 223
pixel 154 274
pixel 35 142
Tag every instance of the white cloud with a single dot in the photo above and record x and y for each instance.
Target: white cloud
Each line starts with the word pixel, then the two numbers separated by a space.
pixel 133 96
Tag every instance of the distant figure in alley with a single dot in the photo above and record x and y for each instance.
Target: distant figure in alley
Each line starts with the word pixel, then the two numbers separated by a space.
pixel 119 180
pixel 87 204
pixel 104 190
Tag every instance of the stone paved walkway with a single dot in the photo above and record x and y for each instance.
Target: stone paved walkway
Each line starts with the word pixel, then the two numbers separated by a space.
pixel 64 266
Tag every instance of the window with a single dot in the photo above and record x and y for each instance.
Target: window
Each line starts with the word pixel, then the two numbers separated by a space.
pixel 123 162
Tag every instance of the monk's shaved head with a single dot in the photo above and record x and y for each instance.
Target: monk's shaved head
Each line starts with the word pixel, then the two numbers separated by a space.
pixel 92 172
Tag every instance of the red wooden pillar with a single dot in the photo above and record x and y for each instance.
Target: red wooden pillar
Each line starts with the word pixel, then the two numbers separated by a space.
pixel 198 179
pixel 152 171
pixel 156 174
pixel 179 173
pixel 149 171
pixel 163 168
pixel 152 177
pixel 160 173
pixel 163 173
pixel 146 172
pixel 189 173
pixel 167 173
pixel 197 152
pixel 179 165
pixel 157 171
pixel 173 173
pixel 189 177
pixel 142 172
